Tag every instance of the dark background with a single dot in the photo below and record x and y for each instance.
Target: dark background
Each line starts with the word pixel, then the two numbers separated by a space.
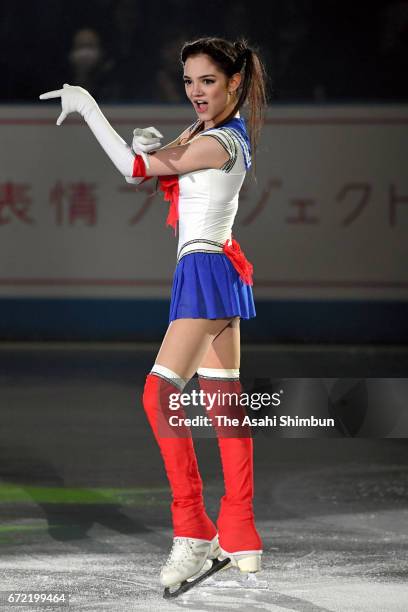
pixel 314 51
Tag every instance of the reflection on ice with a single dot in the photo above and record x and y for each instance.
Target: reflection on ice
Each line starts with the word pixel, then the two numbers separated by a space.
pixel 241 580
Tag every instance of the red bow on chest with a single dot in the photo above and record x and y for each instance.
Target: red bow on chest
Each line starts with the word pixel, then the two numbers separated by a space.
pixel 170 186
pixel 239 261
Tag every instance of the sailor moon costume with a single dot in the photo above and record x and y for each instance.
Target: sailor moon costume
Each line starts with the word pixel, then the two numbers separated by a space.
pixel 213 278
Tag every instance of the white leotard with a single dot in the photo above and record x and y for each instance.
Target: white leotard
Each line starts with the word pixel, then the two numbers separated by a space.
pixel 208 199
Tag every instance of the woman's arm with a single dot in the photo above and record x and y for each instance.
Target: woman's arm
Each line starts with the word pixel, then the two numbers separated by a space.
pixel 200 154
pixel 137 180
pixel 77 99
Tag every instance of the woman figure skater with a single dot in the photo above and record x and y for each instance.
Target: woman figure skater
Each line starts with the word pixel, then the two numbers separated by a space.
pixel 212 289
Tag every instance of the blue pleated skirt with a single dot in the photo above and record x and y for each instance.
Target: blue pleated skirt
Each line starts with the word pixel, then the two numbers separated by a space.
pixel 207 286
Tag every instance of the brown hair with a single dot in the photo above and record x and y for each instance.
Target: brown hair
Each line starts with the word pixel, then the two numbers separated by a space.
pixel 252 91
pixel 231 58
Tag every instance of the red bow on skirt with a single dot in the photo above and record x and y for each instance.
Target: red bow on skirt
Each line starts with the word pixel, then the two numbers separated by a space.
pixel 239 261
pixel 170 185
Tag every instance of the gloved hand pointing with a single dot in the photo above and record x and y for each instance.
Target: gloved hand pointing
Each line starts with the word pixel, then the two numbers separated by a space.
pixel 73 99
pixel 77 99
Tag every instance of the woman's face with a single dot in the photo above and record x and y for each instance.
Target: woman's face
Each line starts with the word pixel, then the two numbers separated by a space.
pixel 204 82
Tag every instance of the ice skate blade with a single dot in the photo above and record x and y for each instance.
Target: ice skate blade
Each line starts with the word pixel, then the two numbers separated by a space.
pixel 186 585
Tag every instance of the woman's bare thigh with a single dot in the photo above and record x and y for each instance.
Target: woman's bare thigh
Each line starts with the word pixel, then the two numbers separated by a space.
pixel 225 351
pixel 186 343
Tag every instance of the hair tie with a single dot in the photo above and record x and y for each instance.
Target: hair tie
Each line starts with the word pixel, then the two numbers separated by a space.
pixel 243 52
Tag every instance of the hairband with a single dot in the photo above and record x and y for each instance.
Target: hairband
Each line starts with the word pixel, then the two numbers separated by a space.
pixel 243 54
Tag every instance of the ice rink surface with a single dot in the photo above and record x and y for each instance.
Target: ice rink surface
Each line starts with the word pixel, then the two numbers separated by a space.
pixel 84 504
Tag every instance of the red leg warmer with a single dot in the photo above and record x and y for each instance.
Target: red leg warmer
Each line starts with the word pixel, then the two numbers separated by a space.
pixel 236 523
pixel 176 446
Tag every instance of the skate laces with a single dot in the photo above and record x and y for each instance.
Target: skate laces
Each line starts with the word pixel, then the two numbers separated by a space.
pixel 181 549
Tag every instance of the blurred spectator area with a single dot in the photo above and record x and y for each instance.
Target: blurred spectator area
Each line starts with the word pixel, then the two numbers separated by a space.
pixel 128 50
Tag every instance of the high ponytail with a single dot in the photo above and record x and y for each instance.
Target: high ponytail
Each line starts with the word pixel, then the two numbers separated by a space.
pixel 231 58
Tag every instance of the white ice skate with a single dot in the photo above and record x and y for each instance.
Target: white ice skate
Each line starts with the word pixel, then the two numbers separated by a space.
pixel 190 561
pixel 247 561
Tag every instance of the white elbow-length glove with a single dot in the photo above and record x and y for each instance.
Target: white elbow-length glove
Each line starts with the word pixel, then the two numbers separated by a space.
pixel 145 140
pixel 77 99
